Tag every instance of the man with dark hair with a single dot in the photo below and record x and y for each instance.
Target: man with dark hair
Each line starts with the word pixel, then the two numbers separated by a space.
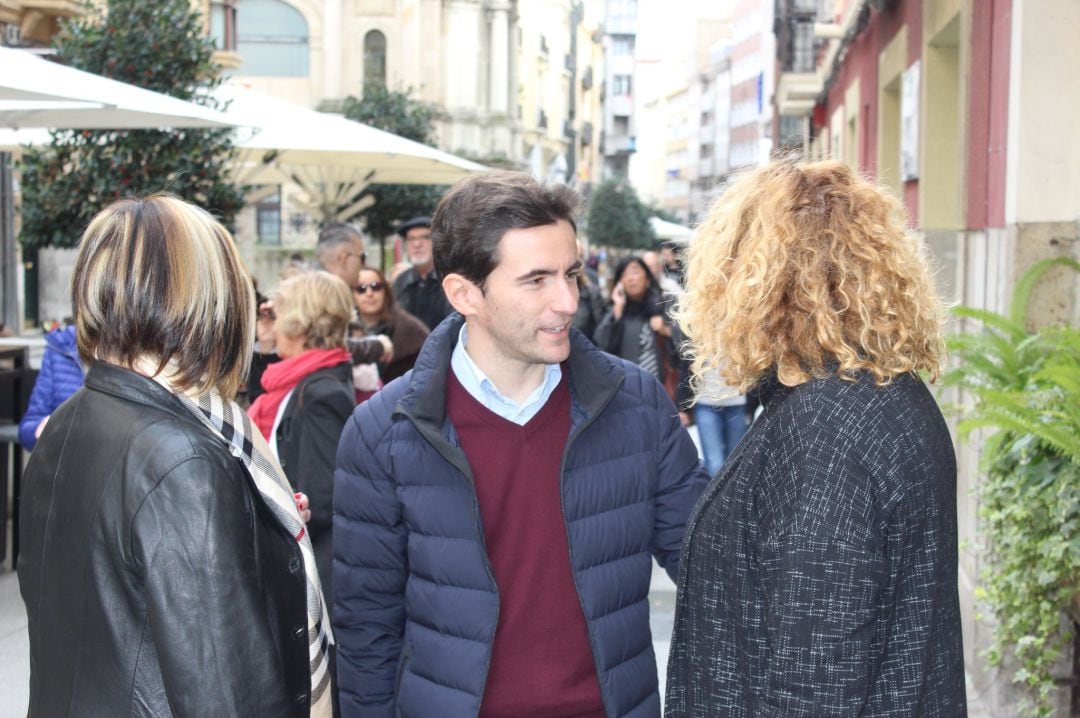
pixel 497 509
pixel 419 289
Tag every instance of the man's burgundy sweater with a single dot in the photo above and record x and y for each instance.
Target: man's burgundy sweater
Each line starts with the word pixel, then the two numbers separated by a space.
pixel 541 661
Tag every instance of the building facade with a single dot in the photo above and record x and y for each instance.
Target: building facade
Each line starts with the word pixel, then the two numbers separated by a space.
pixel 752 77
pixel 498 70
pixel 954 107
pixel 31 23
pixel 619 140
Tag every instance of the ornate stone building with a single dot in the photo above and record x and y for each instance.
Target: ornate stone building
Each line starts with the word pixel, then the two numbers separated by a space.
pixel 500 70
pixel 33 22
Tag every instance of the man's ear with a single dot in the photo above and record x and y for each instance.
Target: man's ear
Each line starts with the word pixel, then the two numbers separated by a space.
pixel 463 295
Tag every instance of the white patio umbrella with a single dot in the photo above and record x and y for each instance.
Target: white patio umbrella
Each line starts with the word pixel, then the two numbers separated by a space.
pixel 670 231
pixel 331 158
pixel 35 92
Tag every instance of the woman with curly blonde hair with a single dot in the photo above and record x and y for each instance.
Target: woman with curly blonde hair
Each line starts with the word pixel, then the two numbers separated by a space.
pixel 819 568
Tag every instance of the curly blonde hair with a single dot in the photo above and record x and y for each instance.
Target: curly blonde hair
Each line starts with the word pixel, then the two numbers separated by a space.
pixel 804 264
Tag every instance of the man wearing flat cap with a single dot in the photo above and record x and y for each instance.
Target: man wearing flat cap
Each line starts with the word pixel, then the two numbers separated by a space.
pixel 419 289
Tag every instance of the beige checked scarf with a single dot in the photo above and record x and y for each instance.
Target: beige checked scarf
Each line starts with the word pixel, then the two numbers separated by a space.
pixel 230 422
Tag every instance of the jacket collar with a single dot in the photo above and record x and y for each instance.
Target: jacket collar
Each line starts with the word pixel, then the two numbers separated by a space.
pixel 594 376
pixel 130 385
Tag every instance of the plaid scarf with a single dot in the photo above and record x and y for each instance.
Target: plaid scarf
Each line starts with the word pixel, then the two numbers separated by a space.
pixel 226 419
pixel 647 358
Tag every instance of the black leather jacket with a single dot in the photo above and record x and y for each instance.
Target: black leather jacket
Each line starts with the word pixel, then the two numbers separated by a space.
pixel 156 581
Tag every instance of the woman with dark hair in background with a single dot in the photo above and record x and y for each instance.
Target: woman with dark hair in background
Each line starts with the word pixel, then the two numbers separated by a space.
pixel 379 314
pixel 632 326
pixel 165 567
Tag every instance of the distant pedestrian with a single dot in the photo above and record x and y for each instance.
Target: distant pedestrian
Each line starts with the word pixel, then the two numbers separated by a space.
pixel 165 569
pixel 721 418
pixel 419 289
pixel 497 510
pixel 628 327
pixel 60 376
pixel 340 251
pixel 819 573
pixel 378 313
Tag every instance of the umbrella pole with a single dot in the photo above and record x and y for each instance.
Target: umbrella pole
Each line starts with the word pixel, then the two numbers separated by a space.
pixel 11 317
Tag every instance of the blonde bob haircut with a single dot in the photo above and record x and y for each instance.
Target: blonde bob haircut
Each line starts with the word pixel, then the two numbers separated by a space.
pixel 315 306
pixel 159 279
pixel 800 266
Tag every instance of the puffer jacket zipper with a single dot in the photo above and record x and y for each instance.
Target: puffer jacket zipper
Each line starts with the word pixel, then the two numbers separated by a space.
pixel 569 543
pixel 456 459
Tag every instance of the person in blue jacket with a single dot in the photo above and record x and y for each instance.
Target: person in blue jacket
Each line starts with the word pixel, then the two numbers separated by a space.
pixel 61 376
pixel 497 509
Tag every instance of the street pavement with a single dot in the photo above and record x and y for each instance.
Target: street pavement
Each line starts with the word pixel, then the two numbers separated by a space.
pixel 15 662
pixel 14 646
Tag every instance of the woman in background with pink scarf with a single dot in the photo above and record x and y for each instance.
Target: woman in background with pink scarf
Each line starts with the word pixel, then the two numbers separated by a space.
pixel 309 394
pixel 309 397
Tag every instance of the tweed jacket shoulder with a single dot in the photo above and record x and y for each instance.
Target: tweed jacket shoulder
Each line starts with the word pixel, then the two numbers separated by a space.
pixel 415 601
pixel 819 569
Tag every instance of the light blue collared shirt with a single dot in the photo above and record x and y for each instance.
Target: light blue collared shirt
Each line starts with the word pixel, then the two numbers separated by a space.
pixel 476 382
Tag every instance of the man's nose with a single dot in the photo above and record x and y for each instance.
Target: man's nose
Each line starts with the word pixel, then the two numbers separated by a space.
pixel 565 300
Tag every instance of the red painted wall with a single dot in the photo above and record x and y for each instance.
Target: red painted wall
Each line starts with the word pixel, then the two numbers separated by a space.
pixel 861 62
pixel 988 113
pixel 999 113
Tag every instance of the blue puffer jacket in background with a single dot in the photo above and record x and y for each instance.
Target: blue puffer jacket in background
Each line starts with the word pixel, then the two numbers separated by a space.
pixel 61 376
pixel 415 601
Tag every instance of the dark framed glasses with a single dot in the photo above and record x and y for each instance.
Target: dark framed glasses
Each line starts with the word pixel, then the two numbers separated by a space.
pixel 375 286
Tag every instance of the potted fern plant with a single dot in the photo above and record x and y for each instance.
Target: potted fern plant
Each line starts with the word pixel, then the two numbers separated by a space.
pixel 1024 387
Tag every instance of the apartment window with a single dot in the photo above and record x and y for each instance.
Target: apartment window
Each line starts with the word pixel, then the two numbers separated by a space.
pixel 621 85
pixel 802 51
pixel 622 46
pixel 223 25
pixel 375 58
pixel 272 38
pixel 621 126
pixel 268 219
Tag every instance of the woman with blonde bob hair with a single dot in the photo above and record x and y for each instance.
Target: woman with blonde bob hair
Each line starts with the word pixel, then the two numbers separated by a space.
pixel 308 394
pixel 165 567
pixel 818 574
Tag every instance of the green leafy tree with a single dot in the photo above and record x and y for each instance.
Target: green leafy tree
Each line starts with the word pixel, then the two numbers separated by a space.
pixel 617 218
pixel 1025 390
pixel 399 112
pixel 160 46
pixel 658 211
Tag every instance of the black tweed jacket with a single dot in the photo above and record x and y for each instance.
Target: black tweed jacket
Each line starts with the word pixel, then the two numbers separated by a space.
pixel 819 568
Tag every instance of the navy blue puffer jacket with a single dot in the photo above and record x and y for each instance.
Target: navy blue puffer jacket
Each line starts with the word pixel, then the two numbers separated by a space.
pixel 415 603
pixel 61 376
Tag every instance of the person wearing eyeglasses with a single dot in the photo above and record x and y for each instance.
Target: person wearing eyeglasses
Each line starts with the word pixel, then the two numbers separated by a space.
pixel 379 314
pixel 340 251
pixel 419 289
